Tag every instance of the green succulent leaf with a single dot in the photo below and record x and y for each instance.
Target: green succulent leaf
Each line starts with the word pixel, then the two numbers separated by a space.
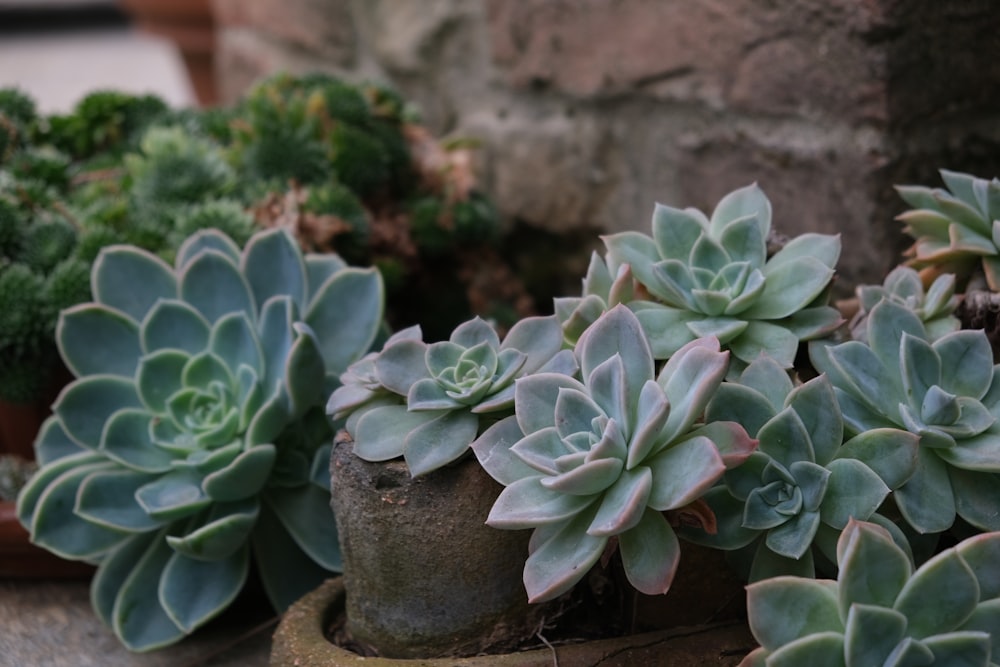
pixel 244 477
pixel 192 592
pixel 344 339
pixel 274 266
pixel 85 405
pixel 650 553
pixel 230 292
pixel 175 325
pixel 822 649
pixel 939 597
pixel 305 513
pixel 107 498
pixel 790 286
pixel 554 566
pixel 807 607
pixel 854 490
pixel 96 339
pixel 380 434
pixel 176 495
pixel 873 569
pixel 982 554
pixel 223 533
pixel 526 504
pixel 439 441
pixel 138 618
pixel 131 280
pixel 927 499
pixel 872 633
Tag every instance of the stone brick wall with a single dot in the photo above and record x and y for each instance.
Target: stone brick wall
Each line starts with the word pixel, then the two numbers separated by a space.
pixel 589 111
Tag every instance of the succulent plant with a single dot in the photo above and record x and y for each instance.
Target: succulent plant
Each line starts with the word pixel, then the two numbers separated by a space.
pixel 956 228
pixel 935 307
pixel 587 461
pixel 698 276
pixel 793 496
pixel 194 434
pixel 881 611
pixel 428 402
pixel 945 391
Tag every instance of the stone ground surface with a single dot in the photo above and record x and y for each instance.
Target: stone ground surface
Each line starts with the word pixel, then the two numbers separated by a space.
pixel 57 61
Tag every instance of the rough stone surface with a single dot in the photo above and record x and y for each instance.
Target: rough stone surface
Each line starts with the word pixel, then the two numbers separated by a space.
pixel 425 576
pixel 588 112
pixel 324 27
pixel 51 624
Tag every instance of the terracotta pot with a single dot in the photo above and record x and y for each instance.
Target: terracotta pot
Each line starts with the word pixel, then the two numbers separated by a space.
pixel 190 25
pixel 425 575
pixel 301 641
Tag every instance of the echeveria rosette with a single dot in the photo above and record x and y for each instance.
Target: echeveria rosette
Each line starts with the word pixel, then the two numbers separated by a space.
pixel 194 434
pixel 796 493
pixel 880 612
pixel 712 277
pixel 956 229
pixel 935 306
pixel 428 402
pixel 584 462
pixel 946 391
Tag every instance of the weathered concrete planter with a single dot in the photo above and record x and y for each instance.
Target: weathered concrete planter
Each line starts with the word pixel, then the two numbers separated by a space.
pixel 425 576
pixel 300 641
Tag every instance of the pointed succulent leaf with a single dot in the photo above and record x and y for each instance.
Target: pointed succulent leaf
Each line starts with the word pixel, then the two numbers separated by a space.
pixel 789 286
pixel 768 563
pixel 939 597
pixel 623 504
pixel 346 313
pixel 380 433
pixel 822 649
pixel 740 404
pixel 668 329
pixel 966 363
pixel 986 618
pixel 890 453
pixel 982 554
pixel 920 370
pixel 304 374
pixel 286 572
pixel 173 496
pixel 535 396
pixel 748 201
pixel 55 527
pixel 767 377
pixel 244 477
pixel 725 329
pixel 743 239
pixel 305 513
pixel 768 339
pixel 126 440
pixel 806 607
pixel 823 247
pixel 234 341
pixel 107 498
pixel 960 648
pixel 492 449
pixel 730 439
pixel 52 443
pixel 138 617
pixel 440 441
pixel 650 554
pixel 709 254
pixel 399 366
pixel 853 490
pixel 526 504
pixel 888 323
pixel 816 405
pixel 793 538
pixel 683 472
pixel 223 534
pixel 689 379
pixel 131 280
pixel 786 439
pixel 675 231
pixel 873 569
pixel 872 633
pixel 193 592
pixel 206 240
pixel 814 322
pixel 319 268
pixel 274 266
pixel 618 332
pixel 175 324
pixel 96 339
pixel 113 572
pixel 858 371
pixel 213 284
pixel 159 377
pixel 927 500
pixel 540 338
pixel 557 564
pixel 86 404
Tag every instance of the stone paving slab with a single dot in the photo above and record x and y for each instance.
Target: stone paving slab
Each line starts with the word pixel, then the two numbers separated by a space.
pixel 51 624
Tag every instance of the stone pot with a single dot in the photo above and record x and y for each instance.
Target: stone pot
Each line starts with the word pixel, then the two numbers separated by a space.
pixel 424 575
pixel 301 640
